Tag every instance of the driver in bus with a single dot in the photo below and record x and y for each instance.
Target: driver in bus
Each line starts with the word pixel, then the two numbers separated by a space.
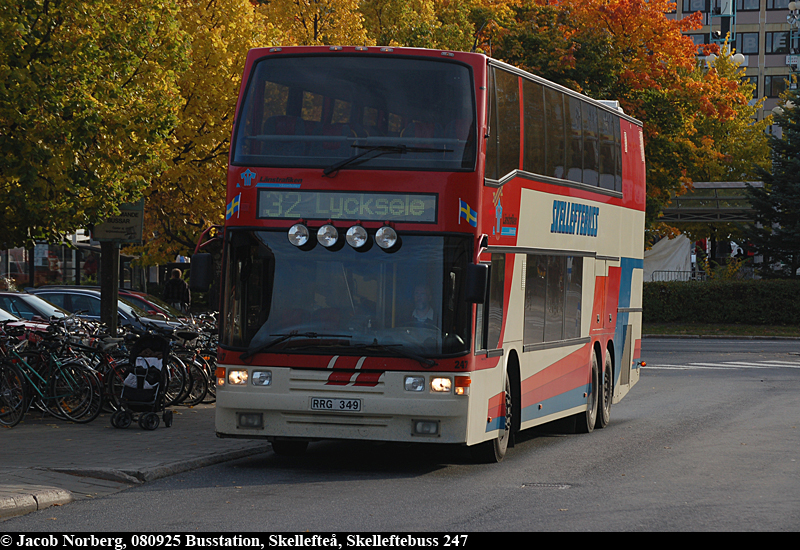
pixel 423 311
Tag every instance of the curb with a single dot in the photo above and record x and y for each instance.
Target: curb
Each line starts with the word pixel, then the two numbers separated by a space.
pixel 27 502
pixel 166 470
pixel 137 477
pixel 28 499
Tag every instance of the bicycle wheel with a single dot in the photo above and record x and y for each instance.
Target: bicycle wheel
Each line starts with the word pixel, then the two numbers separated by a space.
pixel 209 361
pixel 36 365
pixel 176 381
pixel 74 388
pixel 198 385
pixel 114 380
pixel 98 399
pixel 13 397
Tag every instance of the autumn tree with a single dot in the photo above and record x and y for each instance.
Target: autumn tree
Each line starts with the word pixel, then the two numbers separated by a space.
pixel 542 39
pixel 628 50
pixel 740 141
pixel 317 22
pixel 442 24
pixel 189 195
pixel 88 97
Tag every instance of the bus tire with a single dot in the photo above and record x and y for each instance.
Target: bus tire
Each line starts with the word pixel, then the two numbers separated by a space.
pixel 606 394
pixel 494 450
pixel 289 447
pixel 586 420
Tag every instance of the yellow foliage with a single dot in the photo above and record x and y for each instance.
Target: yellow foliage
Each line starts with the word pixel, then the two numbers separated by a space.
pixel 189 195
pixel 317 22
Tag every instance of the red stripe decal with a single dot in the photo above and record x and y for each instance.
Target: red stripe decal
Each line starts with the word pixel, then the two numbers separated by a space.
pixel 339 378
pixel 369 379
pixel 497 406
pixel 562 376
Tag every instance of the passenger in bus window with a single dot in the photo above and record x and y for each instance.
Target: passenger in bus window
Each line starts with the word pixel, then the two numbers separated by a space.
pixel 423 311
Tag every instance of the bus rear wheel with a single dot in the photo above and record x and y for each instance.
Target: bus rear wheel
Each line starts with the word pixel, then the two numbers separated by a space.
pixel 495 450
pixel 606 394
pixel 586 420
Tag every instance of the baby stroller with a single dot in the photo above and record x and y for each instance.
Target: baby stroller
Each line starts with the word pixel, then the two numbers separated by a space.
pixel 145 385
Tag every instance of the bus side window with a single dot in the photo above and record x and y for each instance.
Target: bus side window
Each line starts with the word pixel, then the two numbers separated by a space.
pixel 608 150
pixel 555 128
pixel 489 318
pixel 535 142
pixel 490 171
pixel 507 122
pixel 494 323
pixel 575 143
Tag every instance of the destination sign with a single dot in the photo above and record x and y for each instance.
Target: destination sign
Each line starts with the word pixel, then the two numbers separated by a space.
pixel 323 205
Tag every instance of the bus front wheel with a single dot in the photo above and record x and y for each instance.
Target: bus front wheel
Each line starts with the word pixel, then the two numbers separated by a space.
pixel 495 449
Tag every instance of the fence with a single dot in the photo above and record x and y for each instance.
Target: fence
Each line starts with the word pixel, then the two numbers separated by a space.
pixel 668 276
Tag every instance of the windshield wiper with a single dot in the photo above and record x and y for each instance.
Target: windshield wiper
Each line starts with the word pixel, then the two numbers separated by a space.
pixel 381 150
pixel 397 349
pixel 283 337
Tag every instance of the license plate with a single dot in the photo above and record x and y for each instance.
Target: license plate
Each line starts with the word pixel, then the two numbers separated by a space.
pixel 335 404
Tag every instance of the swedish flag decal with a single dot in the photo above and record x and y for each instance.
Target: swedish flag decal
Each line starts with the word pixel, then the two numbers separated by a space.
pixel 467 213
pixel 233 207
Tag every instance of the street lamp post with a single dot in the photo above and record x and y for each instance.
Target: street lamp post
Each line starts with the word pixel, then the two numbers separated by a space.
pixel 793 18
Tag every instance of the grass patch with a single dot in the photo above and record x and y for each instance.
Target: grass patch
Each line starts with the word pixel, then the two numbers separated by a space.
pixel 707 329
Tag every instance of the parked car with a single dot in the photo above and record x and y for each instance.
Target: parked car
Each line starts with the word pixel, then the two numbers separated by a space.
pixel 16 321
pixel 29 306
pixel 6 316
pixel 151 305
pixel 87 301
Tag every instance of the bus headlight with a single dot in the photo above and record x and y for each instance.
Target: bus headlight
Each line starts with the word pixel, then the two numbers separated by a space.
pixel 327 235
pixel 262 378
pixel 386 237
pixel 237 377
pixel 298 234
pixel 356 236
pixel 414 383
pixel 441 385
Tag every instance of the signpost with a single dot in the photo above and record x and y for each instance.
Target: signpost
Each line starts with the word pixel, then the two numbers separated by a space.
pixel 125 228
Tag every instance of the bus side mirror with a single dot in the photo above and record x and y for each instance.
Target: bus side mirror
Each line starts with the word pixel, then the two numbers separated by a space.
pixel 476 279
pixel 201 272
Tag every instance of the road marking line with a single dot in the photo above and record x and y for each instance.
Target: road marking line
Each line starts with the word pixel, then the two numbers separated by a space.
pixel 728 366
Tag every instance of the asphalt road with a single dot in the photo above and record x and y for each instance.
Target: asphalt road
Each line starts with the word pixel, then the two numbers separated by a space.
pixel 709 440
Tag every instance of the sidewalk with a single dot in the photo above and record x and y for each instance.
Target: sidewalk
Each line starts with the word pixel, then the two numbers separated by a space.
pixel 45 462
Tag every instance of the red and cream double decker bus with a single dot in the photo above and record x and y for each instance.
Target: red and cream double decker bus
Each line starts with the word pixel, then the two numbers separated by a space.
pixel 425 246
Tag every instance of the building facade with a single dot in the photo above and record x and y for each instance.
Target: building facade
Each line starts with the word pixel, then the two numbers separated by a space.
pixel 764 31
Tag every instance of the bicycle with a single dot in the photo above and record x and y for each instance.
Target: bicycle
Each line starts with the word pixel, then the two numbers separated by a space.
pixel 12 395
pixel 67 390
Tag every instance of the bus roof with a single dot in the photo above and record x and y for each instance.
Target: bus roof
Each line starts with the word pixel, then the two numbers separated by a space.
pixel 467 57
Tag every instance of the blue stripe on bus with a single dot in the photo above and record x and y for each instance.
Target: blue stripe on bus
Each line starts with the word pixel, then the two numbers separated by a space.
pixel 562 402
pixel 498 423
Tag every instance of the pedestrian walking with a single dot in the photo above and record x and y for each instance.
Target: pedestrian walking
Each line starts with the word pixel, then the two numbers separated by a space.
pixel 176 292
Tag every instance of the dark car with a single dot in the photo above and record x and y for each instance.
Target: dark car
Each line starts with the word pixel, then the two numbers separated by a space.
pixel 151 304
pixel 87 302
pixel 29 306
pixel 148 303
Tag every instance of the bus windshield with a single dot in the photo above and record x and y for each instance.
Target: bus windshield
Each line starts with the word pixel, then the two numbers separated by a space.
pixel 280 298
pixel 391 113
